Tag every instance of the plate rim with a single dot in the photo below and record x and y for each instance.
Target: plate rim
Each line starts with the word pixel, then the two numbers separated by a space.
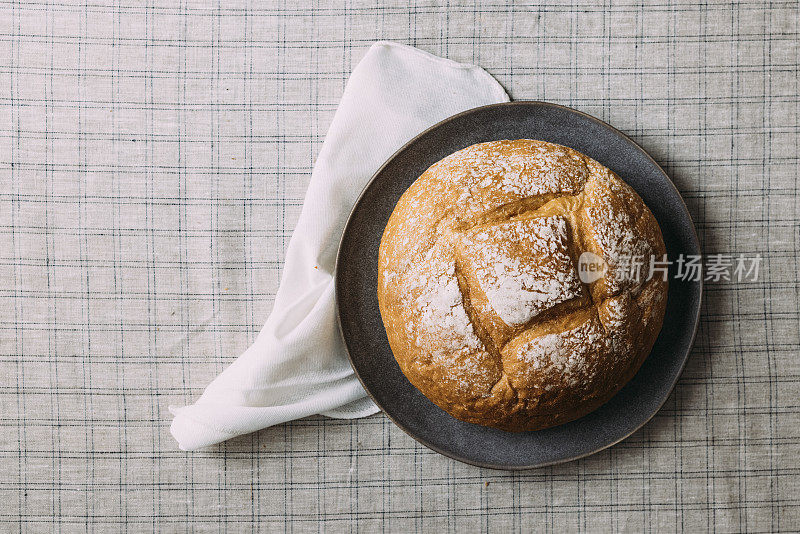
pixel 338 301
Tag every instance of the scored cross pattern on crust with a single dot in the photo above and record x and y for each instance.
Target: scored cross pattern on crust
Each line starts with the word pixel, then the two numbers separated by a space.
pixel 478 288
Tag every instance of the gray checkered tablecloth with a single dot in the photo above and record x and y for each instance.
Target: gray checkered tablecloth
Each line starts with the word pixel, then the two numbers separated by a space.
pixel 153 161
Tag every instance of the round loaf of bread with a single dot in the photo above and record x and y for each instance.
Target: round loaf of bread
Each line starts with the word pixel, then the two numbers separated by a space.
pixel 480 292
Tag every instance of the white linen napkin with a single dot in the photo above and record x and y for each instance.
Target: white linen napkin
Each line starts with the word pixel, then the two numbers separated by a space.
pixel 298 365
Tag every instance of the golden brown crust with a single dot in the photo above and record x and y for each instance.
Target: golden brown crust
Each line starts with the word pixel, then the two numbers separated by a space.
pixel 479 292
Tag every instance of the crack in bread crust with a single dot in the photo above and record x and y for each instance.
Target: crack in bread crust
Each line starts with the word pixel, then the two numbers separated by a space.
pixel 549 205
pixel 480 331
pixel 608 314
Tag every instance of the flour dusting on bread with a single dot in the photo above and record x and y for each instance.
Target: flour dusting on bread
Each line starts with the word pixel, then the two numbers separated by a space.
pixel 522 266
pixel 440 309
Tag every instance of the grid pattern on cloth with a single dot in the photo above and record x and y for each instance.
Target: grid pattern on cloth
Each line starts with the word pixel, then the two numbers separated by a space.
pixel 153 160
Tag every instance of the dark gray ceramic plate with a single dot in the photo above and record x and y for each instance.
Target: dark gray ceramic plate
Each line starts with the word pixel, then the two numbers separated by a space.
pixel 365 337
